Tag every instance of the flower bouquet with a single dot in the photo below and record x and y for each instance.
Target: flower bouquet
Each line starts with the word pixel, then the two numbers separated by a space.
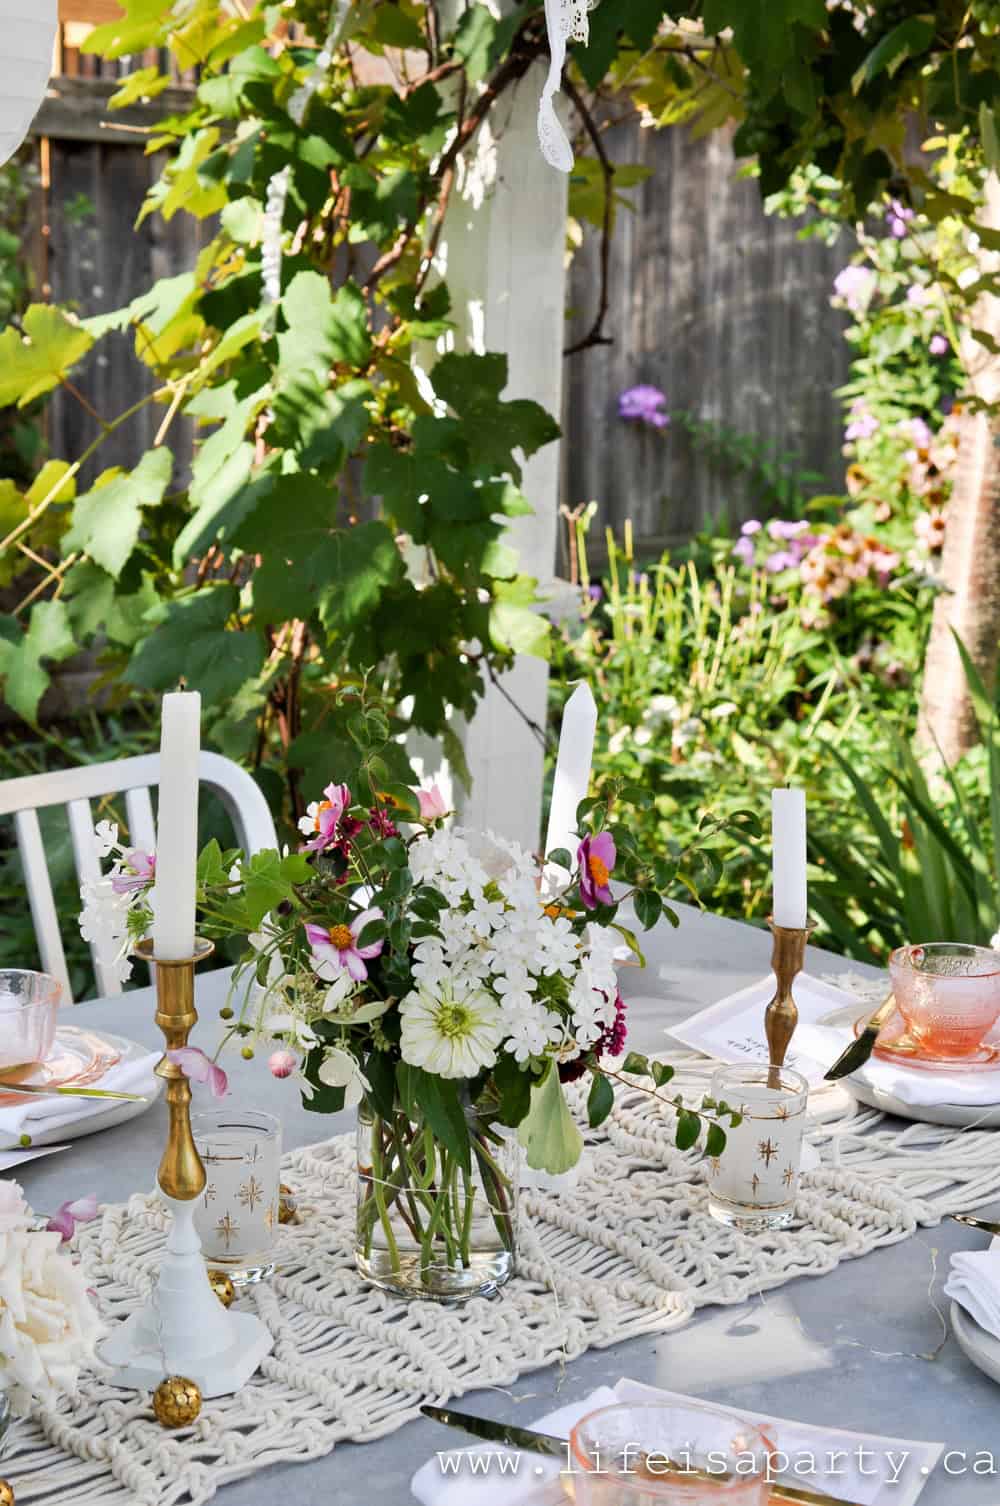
pixel 418 970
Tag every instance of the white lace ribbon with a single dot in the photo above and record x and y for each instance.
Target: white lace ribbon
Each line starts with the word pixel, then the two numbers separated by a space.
pixel 565 21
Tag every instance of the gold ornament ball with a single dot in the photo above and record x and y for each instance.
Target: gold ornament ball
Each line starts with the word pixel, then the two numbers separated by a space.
pixel 176 1401
pixel 222 1287
pixel 288 1206
pixel 6 1493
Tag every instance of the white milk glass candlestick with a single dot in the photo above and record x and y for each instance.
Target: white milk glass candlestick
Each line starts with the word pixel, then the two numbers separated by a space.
pixel 788 838
pixel 753 1184
pixel 177 826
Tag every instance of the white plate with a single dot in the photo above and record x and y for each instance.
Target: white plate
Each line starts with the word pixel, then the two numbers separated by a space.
pixel 975 1343
pixel 116 1112
pixel 958 1115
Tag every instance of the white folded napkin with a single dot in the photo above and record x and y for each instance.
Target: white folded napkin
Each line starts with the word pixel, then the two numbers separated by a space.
pixel 450 1478
pixel 31 1115
pixel 860 1467
pixel 911 1085
pixel 974 1283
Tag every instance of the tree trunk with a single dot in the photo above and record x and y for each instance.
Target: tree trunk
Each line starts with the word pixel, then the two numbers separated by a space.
pixel 970 562
pixel 970 607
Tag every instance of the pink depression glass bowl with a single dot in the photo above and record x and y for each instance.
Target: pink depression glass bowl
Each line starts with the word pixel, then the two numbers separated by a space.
pixel 29 1003
pixel 948 994
pixel 629 1455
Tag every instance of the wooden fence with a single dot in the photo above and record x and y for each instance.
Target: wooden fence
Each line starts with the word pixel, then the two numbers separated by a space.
pixel 724 310
pixel 710 300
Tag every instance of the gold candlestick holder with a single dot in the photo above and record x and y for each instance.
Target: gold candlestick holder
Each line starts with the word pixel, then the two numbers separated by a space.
pixel 781 1017
pixel 183 1329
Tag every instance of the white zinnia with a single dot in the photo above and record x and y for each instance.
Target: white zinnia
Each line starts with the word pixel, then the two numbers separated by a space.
pixel 449 1033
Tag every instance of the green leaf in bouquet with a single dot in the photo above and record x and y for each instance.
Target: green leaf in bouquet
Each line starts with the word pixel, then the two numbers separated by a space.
pixel 631 941
pixel 715 1140
pixel 548 1132
pixel 600 1100
pixel 372 931
pixel 688 1129
pixel 211 869
pixel 636 1064
pixel 513 1084
pixel 442 1108
pixel 660 1072
pixel 380 1073
pixel 648 907
pixel 560 855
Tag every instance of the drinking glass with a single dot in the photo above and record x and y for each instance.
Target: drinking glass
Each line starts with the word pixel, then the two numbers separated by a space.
pixel 236 1215
pixel 948 994
pixel 668 1454
pixel 752 1185
pixel 29 1003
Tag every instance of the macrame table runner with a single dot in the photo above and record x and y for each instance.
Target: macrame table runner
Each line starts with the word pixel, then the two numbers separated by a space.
pixel 631 1250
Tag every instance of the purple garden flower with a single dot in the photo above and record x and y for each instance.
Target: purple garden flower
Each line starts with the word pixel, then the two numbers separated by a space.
pixel 644 405
pixel 781 559
pixel 854 285
pixel 743 550
pixel 898 216
pixel 596 857
pixel 752 525
pixel 917 296
pixel 938 346
pixel 863 424
pixel 781 528
pixel 138 870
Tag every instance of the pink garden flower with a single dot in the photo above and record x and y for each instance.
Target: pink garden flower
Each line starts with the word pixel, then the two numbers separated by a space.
pixel 596 857
pixel 938 345
pixel 335 948
pixel 323 817
pixel 432 804
pixel 854 286
pixel 80 1211
pixel 139 870
pixel 282 1063
pixel 197 1067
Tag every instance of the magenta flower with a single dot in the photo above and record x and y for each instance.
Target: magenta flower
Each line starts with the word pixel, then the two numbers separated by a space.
pixel 781 528
pixel 140 870
pixel 781 559
pixel 596 857
pixel 938 346
pixel 743 550
pixel 282 1063
pixel 197 1067
pixel 645 405
pixel 919 432
pixel 80 1211
pixel 335 948
pixel 863 424
pixel 432 804
pixel 323 816
pixel 751 526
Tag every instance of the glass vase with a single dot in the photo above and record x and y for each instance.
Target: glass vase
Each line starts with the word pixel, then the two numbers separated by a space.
pixel 426 1226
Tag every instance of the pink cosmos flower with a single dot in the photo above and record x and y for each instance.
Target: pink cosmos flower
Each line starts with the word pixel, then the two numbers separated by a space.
pixel 80 1211
pixel 323 816
pixel 197 1067
pixel 282 1063
pixel 855 286
pixel 335 948
pixel 596 857
pixel 432 804
pixel 140 870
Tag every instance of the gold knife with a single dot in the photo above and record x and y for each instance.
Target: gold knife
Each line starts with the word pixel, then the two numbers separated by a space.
pixel 860 1050
pixel 67 1092
pixel 531 1442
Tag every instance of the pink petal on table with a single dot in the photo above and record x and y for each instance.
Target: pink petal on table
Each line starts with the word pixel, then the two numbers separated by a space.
pixel 62 1223
pixel 197 1067
pixel 83 1209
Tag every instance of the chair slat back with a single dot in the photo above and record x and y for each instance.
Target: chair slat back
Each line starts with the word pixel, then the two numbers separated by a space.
pixel 75 788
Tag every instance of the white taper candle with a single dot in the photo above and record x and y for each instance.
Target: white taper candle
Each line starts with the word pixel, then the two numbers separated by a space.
pixel 573 763
pixel 177 825
pixel 788 837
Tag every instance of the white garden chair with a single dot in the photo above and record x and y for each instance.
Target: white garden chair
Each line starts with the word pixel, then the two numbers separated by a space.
pixel 75 788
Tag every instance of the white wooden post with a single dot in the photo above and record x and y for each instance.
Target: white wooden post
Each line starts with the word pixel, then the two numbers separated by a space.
pixel 502 254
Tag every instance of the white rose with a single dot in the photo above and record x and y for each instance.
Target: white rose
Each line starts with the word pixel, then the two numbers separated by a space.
pixel 48 1326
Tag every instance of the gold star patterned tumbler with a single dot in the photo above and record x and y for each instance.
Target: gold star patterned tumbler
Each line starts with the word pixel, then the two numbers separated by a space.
pixel 237 1212
pixel 753 1184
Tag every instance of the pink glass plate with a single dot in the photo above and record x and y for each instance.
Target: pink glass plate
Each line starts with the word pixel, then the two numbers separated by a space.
pixel 78 1058
pixel 896 1046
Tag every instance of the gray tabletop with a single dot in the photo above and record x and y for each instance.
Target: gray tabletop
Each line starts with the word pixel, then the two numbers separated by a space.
pixel 846 1349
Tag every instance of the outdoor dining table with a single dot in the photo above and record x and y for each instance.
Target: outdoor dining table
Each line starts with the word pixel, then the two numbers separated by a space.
pixel 853 1349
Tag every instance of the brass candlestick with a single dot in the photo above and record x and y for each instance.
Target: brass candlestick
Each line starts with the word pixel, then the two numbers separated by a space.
pixel 181 1174
pixel 183 1328
pixel 782 1015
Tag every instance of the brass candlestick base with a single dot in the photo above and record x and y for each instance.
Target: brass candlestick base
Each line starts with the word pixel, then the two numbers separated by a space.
pixel 782 1016
pixel 183 1329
